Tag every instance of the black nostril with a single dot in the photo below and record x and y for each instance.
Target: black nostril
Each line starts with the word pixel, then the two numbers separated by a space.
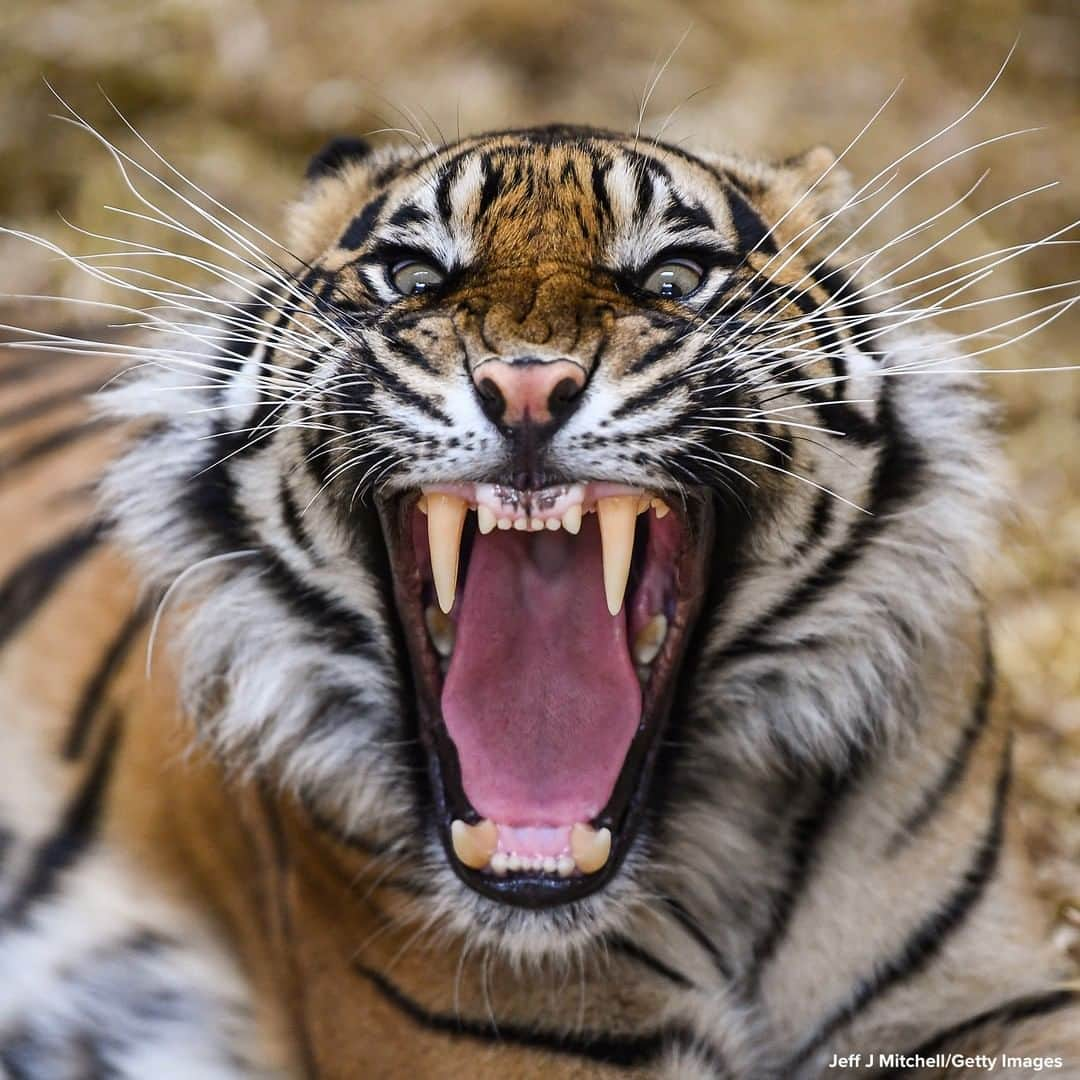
pixel 562 397
pixel 492 401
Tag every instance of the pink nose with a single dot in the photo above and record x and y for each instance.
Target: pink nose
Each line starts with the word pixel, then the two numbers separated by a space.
pixel 528 391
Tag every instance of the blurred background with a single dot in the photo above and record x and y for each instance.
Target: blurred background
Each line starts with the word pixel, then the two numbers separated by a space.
pixel 239 94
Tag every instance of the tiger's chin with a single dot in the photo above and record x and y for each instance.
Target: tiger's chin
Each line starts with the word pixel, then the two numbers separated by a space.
pixel 546 630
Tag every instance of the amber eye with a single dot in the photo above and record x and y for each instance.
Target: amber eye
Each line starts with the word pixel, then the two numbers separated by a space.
pixel 674 278
pixel 414 277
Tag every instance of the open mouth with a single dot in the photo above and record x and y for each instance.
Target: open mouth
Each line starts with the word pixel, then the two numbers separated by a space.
pixel 545 629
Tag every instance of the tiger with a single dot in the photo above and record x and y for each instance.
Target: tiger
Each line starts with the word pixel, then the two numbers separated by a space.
pixel 525 625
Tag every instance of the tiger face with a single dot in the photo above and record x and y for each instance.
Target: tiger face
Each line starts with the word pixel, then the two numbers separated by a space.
pixel 538 442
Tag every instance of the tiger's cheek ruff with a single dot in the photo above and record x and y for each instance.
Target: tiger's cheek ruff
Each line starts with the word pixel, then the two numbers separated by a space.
pixel 274 687
pixel 824 657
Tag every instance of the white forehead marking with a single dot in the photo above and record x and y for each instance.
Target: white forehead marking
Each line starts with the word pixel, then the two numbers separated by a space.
pixel 449 242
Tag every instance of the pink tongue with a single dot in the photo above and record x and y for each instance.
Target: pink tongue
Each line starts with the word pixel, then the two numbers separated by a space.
pixel 541 698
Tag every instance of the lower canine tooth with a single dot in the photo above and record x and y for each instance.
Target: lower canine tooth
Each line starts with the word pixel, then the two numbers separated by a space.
pixel 618 514
pixel 445 520
pixel 475 844
pixel 485 520
pixel 590 847
pixel 440 629
pixel 650 639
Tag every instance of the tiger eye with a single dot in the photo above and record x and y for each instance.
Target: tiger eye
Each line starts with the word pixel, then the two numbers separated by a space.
pixel 414 277
pixel 674 279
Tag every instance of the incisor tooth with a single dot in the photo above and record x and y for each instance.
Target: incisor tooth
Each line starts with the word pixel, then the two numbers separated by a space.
pixel 590 847
pixel 617 516
pixel 571 520
pixel 475 844
pixel 485 519
pixel 553 524
pixel 521 524
pixel 505 523
pixel 564 865
pixel 445 520
pixel 649 639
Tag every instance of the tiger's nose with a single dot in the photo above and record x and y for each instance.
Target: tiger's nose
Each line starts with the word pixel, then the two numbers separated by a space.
pixel 528 391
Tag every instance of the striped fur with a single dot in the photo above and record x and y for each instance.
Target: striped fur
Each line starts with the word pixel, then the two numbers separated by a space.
pixel 231 866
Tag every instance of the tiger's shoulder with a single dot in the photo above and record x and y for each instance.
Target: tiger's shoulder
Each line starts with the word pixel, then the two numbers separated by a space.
pixel 113 965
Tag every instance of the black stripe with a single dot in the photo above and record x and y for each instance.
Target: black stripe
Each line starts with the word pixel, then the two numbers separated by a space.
pixel 69 842
pixel 97 687
pixel 804 841
pixel 958 759
pixel 1013 1012
pixel 750 227
pixel 897 474
pixel 493 179
pixel 342 628
pixel 32 410
pixel 27 367
pixel 33 580
pixel 818 526
pixel 599 176
pixel 691 926
pixel 635 952
pixel 49 444
pixel 360 227
pixel 7 839
pixel 930 936
pixel 625 1051
pixel 294 524
pixel 447 178
pixel 409 214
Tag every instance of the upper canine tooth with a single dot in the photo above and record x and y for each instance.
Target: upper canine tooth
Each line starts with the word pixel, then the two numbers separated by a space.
pixel 485 519
pixel 474 844
pixel 445 520
pixel 617 515
pixel 649 639
pixel 590 847
pixel 661 508
pixel 571 520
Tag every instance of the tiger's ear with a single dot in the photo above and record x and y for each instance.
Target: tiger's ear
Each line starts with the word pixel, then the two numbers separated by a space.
pixel 335 155
pixel 337 182
pixel 816 175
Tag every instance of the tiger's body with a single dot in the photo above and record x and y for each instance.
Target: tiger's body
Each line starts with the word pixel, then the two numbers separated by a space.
pixel 827 864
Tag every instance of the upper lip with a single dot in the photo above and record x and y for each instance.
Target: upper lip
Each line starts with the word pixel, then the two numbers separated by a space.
pixel 447 506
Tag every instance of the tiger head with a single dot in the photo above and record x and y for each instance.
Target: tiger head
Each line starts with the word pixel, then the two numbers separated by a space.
pixel 551 504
